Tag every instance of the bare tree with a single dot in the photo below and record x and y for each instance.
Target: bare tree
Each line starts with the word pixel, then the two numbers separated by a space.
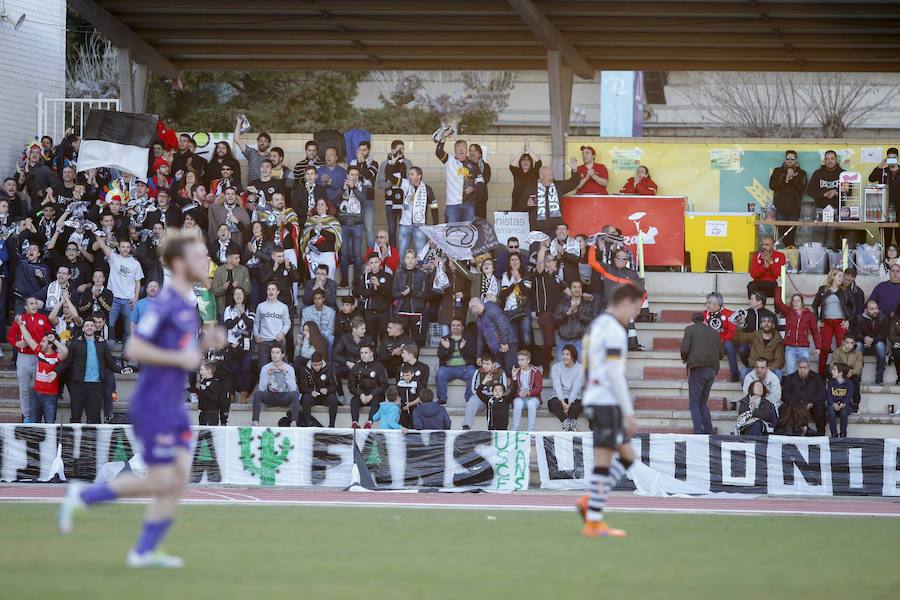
pixel 751 104
pixel 787 104
pixel 840 101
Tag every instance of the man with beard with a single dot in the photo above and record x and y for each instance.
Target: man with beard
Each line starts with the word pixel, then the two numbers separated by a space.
pixel 232 214
pixel 306 193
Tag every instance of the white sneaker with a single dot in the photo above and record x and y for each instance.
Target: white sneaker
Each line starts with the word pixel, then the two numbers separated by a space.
pixel 153 560
pixel 71 503
pixel 254 423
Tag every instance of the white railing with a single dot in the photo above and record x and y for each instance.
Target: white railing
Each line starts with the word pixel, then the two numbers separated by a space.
pixel 57 115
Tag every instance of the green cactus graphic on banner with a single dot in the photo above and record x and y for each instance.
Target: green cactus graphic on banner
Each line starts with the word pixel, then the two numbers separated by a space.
pixel 270 457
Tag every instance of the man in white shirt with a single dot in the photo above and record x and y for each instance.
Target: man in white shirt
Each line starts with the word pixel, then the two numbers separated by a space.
pixel 462 177
pixel 125 276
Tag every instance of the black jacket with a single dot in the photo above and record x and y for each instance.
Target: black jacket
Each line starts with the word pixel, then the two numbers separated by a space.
pixel 467 352
pixel 847 302
pixel 807 391
pixel 546 291
pixel 368 378
pixel 387 346
pixel 701 347
pixel 822 181
pixel 330 293
pixel 877 328
pixel 788 193
pixel 563 187
pixel 342 322
pixel 371 298
pixel 417 281
pixel 309 379
pixel 889 178
pixel 209 394
pixel 572 327
pixel 346 349
pixel 76 361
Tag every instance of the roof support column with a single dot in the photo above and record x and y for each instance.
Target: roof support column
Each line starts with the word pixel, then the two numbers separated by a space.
pixel 559 77
pixel 126 81
pixel 141 74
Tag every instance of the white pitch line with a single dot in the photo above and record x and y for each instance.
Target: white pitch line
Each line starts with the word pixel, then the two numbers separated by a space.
pixel 422 505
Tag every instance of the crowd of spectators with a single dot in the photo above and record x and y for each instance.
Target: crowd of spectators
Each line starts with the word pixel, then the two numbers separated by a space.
pixel 321 307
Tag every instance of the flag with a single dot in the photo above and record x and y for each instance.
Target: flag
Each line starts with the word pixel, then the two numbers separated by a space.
pixel 464 240
pixel 118 140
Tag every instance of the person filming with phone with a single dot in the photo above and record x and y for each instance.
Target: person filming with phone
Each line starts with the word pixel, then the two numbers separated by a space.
pixel 887 173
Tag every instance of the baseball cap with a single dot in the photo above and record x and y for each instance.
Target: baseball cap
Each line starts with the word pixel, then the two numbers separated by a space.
pixel 591 148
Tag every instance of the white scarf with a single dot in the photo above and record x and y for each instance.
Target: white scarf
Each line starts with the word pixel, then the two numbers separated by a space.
pixel 547 202
pixel 419 203
pixel 310 196
pixel 351 205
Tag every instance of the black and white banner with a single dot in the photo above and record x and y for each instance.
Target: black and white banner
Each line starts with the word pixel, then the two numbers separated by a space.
pixel 119 140
pixel 464 240
pixel 489 460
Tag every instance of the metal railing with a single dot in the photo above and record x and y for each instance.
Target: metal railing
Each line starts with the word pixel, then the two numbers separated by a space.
pixel 57 115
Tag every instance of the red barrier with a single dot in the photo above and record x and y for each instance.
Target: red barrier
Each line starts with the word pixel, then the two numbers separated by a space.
pixel 663 224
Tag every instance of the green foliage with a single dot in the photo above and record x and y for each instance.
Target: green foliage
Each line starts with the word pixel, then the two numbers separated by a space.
pixel 276 101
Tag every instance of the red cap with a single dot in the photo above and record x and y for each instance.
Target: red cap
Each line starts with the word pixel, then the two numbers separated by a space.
pixel 591 148
pixel 160 161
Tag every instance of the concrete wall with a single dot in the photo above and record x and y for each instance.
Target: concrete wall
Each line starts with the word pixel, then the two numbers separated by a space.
pixel 32 61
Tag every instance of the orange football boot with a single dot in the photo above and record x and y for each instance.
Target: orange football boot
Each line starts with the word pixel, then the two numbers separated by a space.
pixel 601 529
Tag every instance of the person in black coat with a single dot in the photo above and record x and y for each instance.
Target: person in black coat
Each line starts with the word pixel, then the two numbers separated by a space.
pixel 86 389
pixel 367 384
pixel 788 182
pixel 807 387
pixel 410 291
pixel 756 414
pixel 317 386
pixel 374 289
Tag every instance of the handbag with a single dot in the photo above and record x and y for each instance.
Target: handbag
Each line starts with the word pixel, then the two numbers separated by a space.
pixel 516 314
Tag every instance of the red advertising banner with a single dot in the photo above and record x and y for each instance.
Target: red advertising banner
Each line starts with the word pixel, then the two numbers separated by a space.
pixel 662 223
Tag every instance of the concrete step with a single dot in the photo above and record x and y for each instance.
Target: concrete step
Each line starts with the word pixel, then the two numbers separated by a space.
pixel 677 373
pixel 677 315
pixel 666 344
pixel 676 403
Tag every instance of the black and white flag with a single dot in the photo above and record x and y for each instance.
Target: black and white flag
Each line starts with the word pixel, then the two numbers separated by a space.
pixel 117 140
pixel 464 240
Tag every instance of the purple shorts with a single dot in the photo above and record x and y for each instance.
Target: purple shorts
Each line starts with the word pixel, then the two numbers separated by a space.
pixel 160 441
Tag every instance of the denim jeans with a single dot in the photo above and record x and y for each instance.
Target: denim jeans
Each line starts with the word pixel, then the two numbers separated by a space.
pixel 700 382
pixel 411 236
pixel 459 212
pixel 351 249
pixel 532 405
pixel 522 327
pixel 120 308
pixel 392 217
pixel 43 408
pixel 792 355
pixel 26 367
pixel 833 417
pixel 879 350
pixel 447 374
pixel 368 210
pixel 731 353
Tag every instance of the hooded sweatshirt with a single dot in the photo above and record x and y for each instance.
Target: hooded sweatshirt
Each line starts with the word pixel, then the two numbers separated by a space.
pixel 431 415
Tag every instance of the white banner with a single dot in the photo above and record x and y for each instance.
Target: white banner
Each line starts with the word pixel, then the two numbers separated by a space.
pixel 491 460
pixel 512 224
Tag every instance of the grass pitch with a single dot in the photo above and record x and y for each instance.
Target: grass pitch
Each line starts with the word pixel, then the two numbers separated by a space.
pixel 262 552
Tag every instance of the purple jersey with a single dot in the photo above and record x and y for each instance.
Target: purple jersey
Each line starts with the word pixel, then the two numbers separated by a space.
pixel 169 322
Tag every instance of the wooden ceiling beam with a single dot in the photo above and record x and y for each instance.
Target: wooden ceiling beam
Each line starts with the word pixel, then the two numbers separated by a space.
pixel 551 37
pixel 123 37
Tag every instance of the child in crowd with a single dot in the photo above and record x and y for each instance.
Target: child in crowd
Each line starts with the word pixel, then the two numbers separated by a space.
pixel 389 411
pixel 847 354
pixel 212 402
pixel 430 414
pixel 838 395
pixel 50 352
pixel 410 391
pixel 483 386
pixel 527 382
pixel 498 408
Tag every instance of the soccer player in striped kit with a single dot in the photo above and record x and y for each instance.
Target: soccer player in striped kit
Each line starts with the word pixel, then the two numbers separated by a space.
pixel 607 405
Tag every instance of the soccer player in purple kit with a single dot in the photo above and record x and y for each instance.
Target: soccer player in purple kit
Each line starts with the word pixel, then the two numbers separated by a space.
pixel 166 346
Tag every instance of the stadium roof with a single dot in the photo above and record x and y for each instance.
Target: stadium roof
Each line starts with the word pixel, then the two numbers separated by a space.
pixel 730 35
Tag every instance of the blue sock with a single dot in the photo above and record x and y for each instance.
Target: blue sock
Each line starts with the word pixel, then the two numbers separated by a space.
pixel 152 535
pixel 98 493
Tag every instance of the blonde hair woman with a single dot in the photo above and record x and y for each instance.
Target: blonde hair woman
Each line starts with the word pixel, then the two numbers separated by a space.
pixel 833 308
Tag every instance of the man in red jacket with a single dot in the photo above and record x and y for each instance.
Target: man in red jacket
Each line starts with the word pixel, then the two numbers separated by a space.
pixel 38 325
pixel 765 268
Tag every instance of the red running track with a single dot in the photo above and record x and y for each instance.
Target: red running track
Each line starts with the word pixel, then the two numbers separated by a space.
pixel 624 502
